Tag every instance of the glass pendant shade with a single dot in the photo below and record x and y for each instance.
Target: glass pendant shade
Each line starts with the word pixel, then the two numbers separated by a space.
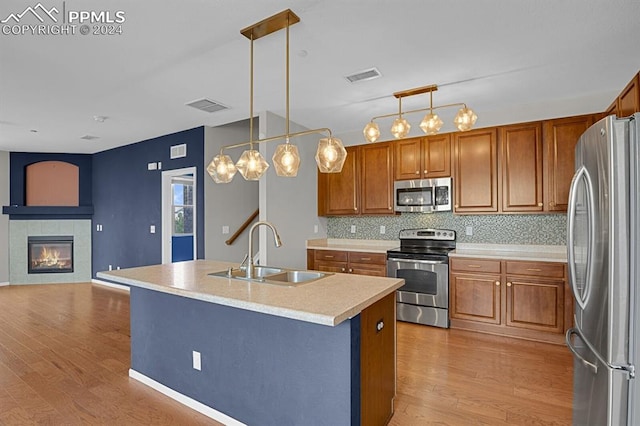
pixel 400 128
pixel 371 132
pixel 286 160
pixel 431 124
pixel 465 119
pixel 252 165
pixel 221 169
pixel 330 155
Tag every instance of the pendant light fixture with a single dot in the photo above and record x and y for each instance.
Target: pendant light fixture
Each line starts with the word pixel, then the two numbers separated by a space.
pixel 330 155
pixel 430 124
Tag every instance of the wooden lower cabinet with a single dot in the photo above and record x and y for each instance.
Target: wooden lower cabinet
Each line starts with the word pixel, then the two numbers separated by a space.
pixel 528 300
pixel 377 361
pixel 348 262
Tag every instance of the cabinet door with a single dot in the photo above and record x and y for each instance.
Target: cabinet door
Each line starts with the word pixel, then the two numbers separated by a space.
pixel 475 171
pixel 535 304
pixel 436 156
pixel 475 297
pixel 377 361
pixel 560 138
pixel 377 178
pixel 629 99
pixel 521 156
pixel 407 159
pixel 340 190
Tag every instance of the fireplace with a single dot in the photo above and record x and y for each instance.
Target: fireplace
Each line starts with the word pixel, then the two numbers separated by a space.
pixel 50 254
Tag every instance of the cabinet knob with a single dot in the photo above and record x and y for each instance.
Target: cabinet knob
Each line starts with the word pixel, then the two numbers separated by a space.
pixel 498 283
pixel 540 204
pixel 350 270
pixel 456 206
pixel 417 172
pixel 508 284
pixel 552 204
pixel 426 171
pixel 343 269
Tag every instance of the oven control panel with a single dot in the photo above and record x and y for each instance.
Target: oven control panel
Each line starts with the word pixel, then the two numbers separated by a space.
pixel 428 234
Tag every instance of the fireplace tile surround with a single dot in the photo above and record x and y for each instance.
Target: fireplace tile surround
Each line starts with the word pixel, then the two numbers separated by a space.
pixel 20 230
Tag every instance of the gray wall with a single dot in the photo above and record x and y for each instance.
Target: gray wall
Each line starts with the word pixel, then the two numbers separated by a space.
pixel 4 219
pixel 289 203
pixel 227 204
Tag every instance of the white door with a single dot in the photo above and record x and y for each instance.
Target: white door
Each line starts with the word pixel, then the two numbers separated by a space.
pixel 179 215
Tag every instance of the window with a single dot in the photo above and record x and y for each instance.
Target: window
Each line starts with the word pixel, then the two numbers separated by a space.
pixel 182 196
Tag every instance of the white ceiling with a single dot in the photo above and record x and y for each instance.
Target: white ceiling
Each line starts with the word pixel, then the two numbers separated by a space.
pixel 511 61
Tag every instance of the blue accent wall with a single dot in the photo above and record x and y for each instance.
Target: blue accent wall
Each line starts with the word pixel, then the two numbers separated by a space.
pixel 259 369
pixel 18 161
pixel 127 199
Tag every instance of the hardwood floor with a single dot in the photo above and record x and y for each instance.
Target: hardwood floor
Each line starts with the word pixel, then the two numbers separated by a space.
pixel 64 360
pixel 455 377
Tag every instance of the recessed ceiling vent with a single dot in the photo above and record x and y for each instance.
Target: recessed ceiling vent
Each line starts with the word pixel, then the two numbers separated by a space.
pixel 369 74
pixel 207 105
pixel 179 151
pixel 89 137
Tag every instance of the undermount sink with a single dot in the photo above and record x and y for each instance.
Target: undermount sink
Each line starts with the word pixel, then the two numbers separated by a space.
pixel 271 275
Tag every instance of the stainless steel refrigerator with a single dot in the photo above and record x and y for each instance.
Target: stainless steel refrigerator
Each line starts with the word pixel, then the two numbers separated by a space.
pixel 603 259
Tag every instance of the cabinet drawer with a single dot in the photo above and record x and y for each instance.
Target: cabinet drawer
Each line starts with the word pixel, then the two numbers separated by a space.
pixel 460 264
pixel 360 257
pixel 538 269
pixel 331 255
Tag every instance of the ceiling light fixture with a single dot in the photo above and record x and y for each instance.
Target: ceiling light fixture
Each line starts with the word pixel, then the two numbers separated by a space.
pixel 330 155
pixel 430 124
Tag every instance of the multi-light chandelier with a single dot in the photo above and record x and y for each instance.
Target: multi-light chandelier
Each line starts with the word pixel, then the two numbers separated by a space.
pixel 330 155
pixel 430 124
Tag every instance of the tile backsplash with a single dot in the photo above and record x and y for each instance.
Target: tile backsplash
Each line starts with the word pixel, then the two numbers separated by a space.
pixel 539 229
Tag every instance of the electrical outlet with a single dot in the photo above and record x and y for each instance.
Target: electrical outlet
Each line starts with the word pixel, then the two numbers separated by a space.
pixel 159 165
pixel 118 268
pixel 469 230
pixel 152 229
pixel 315 229
pixel 111 267
pixel 225 229
pixel 383 229
pixel 197 361
pixel 353 229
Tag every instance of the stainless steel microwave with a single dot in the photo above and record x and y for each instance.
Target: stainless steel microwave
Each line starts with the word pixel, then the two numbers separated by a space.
pixel 423 196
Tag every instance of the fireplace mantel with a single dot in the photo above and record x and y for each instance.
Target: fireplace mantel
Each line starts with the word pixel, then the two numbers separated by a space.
pixel 48 212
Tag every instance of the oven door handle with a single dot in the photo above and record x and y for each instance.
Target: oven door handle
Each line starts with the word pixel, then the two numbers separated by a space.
pixel 429 262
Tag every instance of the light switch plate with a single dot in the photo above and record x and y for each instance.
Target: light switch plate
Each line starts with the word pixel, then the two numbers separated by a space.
pixel 353 229
pixel 225 229
pixel 383 229
pixel 152 166
pixel 469 230
pixel 197 361
pixel 152 229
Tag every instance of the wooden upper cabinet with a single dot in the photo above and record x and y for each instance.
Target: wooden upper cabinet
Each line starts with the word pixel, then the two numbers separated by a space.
pixel 475 171
pixel 629 99
pixel 338 193
pixel 376 168
pixel 559 140
pixel 436 154
pixel 521 160
pixel 365 185
pixel 423 158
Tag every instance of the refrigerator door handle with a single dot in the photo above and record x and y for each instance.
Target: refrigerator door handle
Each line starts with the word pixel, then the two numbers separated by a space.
pixel 628 369
pixel 583 298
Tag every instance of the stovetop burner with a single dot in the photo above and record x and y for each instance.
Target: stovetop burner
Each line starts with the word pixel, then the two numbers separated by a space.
pixel 424 244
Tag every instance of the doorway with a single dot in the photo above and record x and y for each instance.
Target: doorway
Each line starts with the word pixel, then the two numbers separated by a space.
pixel 179 215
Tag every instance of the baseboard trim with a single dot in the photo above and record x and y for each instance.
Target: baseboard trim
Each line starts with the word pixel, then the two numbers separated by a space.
pixel 112 285
pixel 4 283
pixel 185 400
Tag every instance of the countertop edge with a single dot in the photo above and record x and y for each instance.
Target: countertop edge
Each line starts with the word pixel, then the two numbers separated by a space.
pixel 305 316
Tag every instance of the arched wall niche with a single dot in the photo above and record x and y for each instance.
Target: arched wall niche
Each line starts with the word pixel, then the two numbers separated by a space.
pixel 52 183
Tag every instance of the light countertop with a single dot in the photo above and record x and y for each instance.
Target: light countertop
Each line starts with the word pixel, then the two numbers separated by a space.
pixel 327 301
pixel 369 246
pixel 533 253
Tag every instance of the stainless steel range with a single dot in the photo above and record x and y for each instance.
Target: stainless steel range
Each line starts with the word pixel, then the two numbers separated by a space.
pixel 422 261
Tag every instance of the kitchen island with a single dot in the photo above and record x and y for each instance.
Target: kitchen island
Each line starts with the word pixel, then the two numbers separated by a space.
pixel 319 353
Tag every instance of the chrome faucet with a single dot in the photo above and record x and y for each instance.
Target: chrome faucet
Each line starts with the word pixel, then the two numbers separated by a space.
pixel 276 237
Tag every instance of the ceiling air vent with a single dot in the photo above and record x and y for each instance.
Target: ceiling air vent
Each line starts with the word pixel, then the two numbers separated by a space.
pixel 369 74
pixel 179 151
pixel 89 137
pixel 207 105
